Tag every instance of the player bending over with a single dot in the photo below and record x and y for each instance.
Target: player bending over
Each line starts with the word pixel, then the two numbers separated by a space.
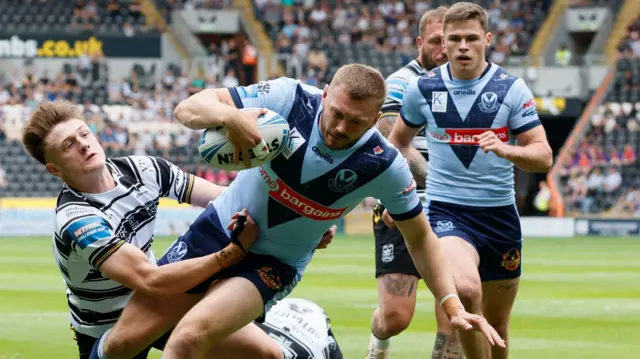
pixel 302 329
pixel 105 217
pixel 396 274
pixel 474 113
pixel 293 199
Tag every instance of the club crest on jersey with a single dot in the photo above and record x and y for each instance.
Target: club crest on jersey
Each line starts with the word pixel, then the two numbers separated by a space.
pixel 444 226
pixel 489 102
pixel 344 181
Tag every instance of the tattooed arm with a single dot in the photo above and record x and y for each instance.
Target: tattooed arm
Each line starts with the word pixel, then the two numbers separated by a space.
pixel 401 137
pixel 386 122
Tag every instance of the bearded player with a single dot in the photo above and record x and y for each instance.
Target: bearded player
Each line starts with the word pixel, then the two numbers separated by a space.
pixel 335 160
pixel 395 272
pixel 474 113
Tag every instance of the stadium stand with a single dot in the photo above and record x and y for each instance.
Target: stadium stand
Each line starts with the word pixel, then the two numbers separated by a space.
pixel 602 176
pixel 378 33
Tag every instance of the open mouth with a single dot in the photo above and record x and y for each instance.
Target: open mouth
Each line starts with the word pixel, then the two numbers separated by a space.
pixel 91 156
pixel 464 58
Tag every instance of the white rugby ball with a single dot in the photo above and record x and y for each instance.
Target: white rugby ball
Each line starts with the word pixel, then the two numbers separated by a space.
pixel 215 149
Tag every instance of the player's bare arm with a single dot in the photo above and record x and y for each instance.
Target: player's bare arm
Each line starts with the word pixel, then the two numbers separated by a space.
pixel 215 107
pixel 204 192
pixel 533 153
pixel 401 137
pixel 129 266
pixel 429 259
pixel 386 122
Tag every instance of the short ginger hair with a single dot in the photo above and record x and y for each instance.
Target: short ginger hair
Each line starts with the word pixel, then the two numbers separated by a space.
pixel 362 82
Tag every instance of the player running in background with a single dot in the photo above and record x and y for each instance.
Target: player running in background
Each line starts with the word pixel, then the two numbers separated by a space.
pixel 396 274
pixel 105 218
pixel 335 159
pixel 474 113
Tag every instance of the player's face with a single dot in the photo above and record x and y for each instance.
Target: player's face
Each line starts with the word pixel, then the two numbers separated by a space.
pixel 430 48
pixel 72 151
pixel 465 43
pixel 344 120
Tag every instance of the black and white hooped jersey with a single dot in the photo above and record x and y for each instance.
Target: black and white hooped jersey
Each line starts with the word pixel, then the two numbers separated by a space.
pixel 397 84
pixel 302 330
pixel 91 227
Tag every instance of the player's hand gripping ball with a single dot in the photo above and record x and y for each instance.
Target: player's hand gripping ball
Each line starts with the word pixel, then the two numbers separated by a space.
pixel 217 149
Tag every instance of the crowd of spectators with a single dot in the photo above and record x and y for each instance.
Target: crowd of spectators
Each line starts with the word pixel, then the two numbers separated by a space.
pixel 389 24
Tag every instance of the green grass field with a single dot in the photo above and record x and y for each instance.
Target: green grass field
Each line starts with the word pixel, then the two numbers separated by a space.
pixel 580 299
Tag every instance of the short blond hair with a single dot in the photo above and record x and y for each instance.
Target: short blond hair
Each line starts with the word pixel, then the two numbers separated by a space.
pixel 431 16
pixel 464 11
pixel 362 82
pixel 43 120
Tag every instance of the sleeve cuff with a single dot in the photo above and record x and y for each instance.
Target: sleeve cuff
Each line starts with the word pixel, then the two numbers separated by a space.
pixel 236 97
pixel 407 122
pixel 526 127
pixel 107 253
pixel 187 193
pixel 408 215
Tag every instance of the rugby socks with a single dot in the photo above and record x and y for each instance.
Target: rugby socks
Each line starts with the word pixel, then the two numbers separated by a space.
pixel 97 352
pixel 381 343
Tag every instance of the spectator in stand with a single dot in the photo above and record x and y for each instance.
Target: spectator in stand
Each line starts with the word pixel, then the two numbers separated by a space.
pixel 612 181
pixel 629 155
pixel 108 138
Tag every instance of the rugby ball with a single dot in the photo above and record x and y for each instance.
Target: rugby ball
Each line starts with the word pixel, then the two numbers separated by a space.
pixel 215 149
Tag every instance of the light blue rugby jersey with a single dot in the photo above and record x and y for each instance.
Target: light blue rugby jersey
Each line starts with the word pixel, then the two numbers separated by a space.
pixel 453 111
pixel 296 197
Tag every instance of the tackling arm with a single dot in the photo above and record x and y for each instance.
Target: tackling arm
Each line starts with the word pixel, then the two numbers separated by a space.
pixel 533 153
pixel 129 266
pixel 401 137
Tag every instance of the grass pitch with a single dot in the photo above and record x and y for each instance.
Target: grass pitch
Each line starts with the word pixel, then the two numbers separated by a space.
pixel 579 299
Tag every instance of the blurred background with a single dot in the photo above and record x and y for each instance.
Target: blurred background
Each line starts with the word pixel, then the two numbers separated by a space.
pixel 127 63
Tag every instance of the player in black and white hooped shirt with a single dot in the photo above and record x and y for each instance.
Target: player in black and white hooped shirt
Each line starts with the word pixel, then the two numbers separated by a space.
pixel 105 218
pixel 302 329
pixel 396 273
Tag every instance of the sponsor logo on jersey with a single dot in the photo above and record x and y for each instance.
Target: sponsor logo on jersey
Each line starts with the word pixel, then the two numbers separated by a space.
pixel 467 92
pixel 285 195
pixel 439 101
pixel 344 181
pixel 465 136
pixel 502 76
pixel 325 156
pixel 489 102
pixel 530 112
pixel 88 230
pixel 529 103
pixel 378 150
pixel 295 141
pixel 430 74
pixel 411 187
pixel 511 260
